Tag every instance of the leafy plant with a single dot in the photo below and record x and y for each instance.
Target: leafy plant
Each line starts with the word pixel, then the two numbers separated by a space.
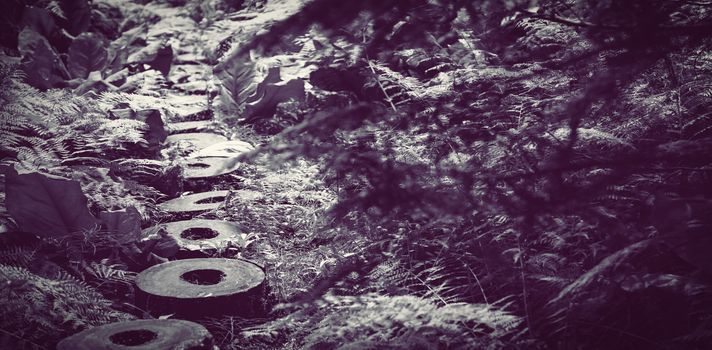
pixel 86 54
pixel 269 93
pixel 58 306
pixel 41 63
pixel 61 203
pixel 398 322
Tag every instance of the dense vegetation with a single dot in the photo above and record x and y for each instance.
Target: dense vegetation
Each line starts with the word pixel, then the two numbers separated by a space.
pixel 430 174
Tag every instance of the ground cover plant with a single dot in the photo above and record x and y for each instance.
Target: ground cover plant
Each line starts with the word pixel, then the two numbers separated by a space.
pixel 417 174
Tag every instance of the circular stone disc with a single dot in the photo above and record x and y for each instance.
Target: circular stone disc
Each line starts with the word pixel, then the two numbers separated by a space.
pixel 227 149
pixel 208 167
pixel 189 127
pixel 165 279
pixel 227 233
pixel 167 334
pixel 188 203
pixel 199 140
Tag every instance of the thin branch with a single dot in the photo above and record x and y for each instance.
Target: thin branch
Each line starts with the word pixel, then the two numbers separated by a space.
pixel 525 292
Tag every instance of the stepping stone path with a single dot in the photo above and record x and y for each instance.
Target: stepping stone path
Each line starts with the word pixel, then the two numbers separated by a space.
pixel 204 201
pixel 190 107
pixel 141 335
pixel 193 287
pixel 215 160
pixel 197 287
pixel 208 167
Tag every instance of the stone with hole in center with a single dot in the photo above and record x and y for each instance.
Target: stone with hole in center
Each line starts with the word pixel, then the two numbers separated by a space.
pixel 141 335
pixel 227 149
pixel 208 167
pixel 198 237
pixel 196 140
pixel 195 202
pixel 202 287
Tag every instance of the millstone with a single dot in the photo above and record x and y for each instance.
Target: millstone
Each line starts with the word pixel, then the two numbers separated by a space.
pixel 199 235
pixel 208 167
pixel 198 140
pixel 141 335
pixel 199 287
pixel 227 149
pixel 195 202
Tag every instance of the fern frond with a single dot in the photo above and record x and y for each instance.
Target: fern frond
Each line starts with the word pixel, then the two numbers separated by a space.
pixel 109 272
pixel 44 307
pixel 17 256
pixel 392 320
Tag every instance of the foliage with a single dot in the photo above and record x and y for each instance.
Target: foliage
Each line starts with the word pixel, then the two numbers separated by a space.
pixel 58 306
pixel 86 54
pixel 61 202
pixel 507 151
pixel 400 322
pixel 41 62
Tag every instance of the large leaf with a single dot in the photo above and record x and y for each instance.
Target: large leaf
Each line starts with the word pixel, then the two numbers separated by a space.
pixel 124 225
pixel 269 94
pixel 120 49
pixel 47 207
pixel 40 62
pixel 86 54
pixel 237 80
pixel 157 55
pixel 78 14
pixel 163 60
pixel 273 77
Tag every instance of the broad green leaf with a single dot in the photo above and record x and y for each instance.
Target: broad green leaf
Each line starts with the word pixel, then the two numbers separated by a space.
pixel 120 49
pixel 40 62
pixel 47 207
pixel 123 225
pixel 237 82
pixel 156 133
pixel 86 54
pixel 270 93
pixel 157 55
